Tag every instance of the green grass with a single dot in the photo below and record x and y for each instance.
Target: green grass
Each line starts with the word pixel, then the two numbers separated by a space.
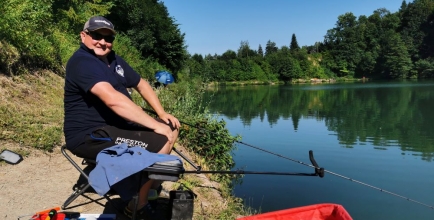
pixel 31 110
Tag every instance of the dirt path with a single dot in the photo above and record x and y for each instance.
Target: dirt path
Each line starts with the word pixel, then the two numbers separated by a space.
pixel 44 180
pixel 40 181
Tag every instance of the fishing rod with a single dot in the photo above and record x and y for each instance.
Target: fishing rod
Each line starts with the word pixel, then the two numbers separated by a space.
pixel 318 170
pixel 313 166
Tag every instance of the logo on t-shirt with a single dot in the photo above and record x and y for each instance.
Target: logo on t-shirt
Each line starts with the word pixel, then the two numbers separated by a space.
pixel 119 70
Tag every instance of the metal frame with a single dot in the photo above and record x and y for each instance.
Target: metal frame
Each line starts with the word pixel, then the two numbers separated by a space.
pixel 81 189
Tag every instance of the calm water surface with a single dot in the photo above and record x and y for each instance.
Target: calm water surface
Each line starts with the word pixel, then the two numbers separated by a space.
pixel 381 134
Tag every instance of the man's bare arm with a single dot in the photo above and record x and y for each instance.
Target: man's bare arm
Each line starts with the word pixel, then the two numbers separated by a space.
pixel 127 109
pixel 148 94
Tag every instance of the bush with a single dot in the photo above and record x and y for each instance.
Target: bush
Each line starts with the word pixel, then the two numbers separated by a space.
pixel 145 67
pixel 26 25
pixel 65 45
pixel 424 68
pixel 9 56
pixel 200 132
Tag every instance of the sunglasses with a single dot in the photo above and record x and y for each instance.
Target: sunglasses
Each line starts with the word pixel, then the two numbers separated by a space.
pixel 97 36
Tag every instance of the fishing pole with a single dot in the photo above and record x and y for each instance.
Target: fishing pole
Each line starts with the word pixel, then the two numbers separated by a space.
pixel 319 171
pixel 309 165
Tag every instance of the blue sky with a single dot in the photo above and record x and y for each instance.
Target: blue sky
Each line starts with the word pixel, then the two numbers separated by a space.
pixel 214 26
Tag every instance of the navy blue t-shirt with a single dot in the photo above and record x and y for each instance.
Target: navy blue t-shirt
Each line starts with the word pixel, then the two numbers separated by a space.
pixel 84 111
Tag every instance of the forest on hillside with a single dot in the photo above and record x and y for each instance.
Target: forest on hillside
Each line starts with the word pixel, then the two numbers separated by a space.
pixel 44 34
pixel 384 45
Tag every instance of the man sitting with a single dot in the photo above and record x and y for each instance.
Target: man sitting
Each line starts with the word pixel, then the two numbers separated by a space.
pixel 99 111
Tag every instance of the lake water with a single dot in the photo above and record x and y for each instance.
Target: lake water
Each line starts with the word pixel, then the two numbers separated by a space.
pixel 379 133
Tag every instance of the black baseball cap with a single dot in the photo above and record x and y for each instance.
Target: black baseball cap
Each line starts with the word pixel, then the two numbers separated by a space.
pixel 98 22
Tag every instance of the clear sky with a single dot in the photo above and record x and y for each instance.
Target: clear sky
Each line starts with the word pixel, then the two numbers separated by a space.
pixel 214 26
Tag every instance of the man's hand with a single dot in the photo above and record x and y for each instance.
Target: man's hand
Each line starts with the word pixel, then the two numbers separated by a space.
pixel 168 118
pixel 166 131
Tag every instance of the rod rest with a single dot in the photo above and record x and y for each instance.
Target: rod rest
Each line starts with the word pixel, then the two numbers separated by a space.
pixel 165 171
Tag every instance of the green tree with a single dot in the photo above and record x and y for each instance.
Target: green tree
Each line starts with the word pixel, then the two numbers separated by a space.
pixel 196 70
pixel 152 31
pixel 260 51
pixel 376 31
pixel 306 62
pixel 414 26
pixel 402 9
pixel 397 62
pixel 270 48
pixel 257 72
pixel 427 47
pixel 71 15
pixel 371 30
pixel 228 55
pixel 198 58
pixel 424 68
pixel 27 26
pixel 244 50
pixel 345 45
pixel 284 65
pixel 294 45
pixel 69 18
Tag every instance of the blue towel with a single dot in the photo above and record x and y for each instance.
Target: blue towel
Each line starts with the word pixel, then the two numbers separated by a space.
pixel 118 163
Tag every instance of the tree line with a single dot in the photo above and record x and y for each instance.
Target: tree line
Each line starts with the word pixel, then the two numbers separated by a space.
pixel 383 45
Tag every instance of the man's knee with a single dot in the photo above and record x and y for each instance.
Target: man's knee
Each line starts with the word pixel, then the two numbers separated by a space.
pixel 167 148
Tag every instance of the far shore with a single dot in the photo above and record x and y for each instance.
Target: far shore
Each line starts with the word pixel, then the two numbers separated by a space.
pixel 294 81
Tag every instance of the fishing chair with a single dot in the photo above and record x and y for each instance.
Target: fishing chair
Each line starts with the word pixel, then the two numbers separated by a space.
pixel 163 171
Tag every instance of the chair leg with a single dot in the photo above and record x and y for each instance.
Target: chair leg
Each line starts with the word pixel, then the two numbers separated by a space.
pixel 80 190
pixel 77 192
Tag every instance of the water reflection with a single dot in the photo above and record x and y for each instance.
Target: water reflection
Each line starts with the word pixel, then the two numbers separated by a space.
pixel 397 114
